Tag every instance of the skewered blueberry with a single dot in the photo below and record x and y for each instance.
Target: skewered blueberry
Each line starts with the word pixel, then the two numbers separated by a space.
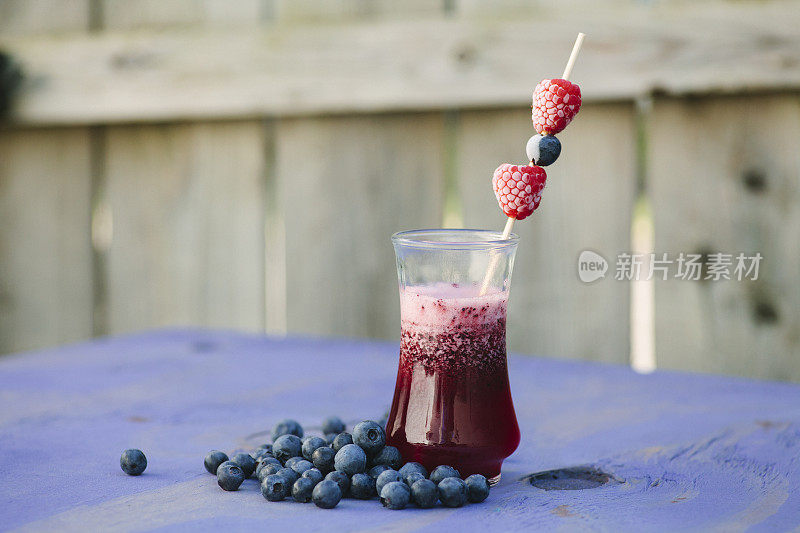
pixel 362 487
pixel 443 471
pixel 452 492
pixel 326 494
pixel 341 479
pixel 274 487
pixel 477 488
pixel 286 447
pixel 133 462
pixel 286 427
pixel 424 493
pixel 213 460
pixel 342 439
pixel 395 495
pixel 246 462
pixel 389 456
pixel 302 489
pixel 387 477
pixel 229 476
pixel 543 150
pixel 311 444
pixel 369 436
pixel 332 424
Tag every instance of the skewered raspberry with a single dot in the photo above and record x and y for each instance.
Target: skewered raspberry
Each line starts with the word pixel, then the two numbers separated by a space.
pixel 518 189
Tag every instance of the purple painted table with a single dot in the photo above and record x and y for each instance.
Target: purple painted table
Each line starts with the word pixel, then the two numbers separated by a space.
pixel 680 450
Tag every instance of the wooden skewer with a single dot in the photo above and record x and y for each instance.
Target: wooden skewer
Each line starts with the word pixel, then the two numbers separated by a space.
pixel 573 56
pixel 487 279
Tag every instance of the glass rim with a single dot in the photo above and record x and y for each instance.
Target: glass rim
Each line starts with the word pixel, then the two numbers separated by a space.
pixel 416 238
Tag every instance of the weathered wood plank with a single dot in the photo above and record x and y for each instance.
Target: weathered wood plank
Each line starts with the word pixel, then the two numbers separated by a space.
pixel 45 244
pixel 402 65
pixel 292 11
pixel 586 204
pixel 724 176
pixel 28 17
pixel 137 14
pixel 346 184
pixel 188 241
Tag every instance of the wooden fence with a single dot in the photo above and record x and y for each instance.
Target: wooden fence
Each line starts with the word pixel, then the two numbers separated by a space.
pixel 243 164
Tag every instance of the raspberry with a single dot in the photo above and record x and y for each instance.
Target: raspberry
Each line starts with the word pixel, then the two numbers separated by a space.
pixel 518 189
pixel 555 104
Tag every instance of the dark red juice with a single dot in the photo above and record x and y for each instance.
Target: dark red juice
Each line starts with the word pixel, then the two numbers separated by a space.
pixel 452 402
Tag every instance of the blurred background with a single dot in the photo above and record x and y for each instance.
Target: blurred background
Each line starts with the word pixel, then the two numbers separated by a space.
pixel 242 164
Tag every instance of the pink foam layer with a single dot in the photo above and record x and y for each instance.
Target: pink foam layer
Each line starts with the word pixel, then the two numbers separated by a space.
pixel 444 305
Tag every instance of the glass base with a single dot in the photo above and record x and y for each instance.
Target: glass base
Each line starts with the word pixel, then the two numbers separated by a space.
pixel 494 480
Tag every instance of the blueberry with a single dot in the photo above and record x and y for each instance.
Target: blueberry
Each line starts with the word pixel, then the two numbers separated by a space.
pixel 291 461
pixel 424 493
pixel 370 436
pixel 286 447
pixel 412 478
pixel 351 460
pixel 329 438
pixel 267 469
pixel 410 468
pixel 311 444
pixel 543 150
pixel 389 456
pixel 302 465
pixel 332 424
pixel 230 476
pixel 362 487
pixel 301 490
pixel 377 470
pixel 326 494
pixel 395 495
pixel 314 475
pixel 275 487
pixel 290 475
pixel 477 488
pixel 267 461
pixel 247 463
pixel 286 427
pixel 443 471
pixel 452 492
pixel 267 447
pixel 213 460
pixel 341 479
pixel 387 477
pixel 261 453
pixel 133 462
pixel 342 439
pixel 323 459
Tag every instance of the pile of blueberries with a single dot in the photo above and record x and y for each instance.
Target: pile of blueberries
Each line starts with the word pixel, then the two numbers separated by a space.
pixel 357 464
